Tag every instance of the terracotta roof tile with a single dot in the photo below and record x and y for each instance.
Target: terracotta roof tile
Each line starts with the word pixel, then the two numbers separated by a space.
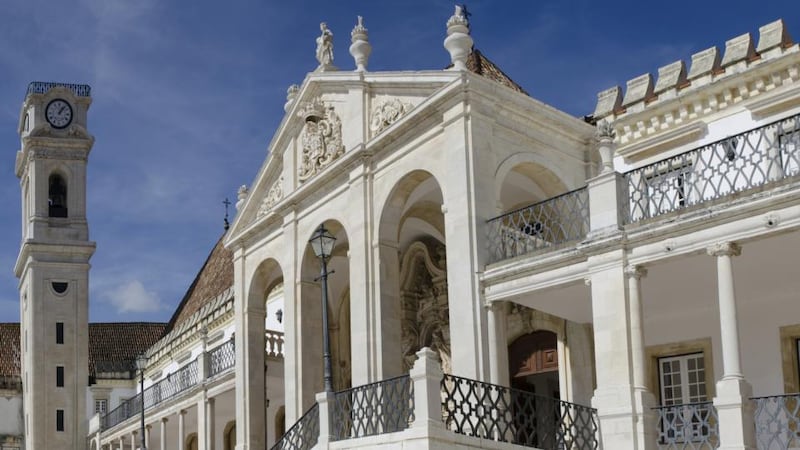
pixel 478 63
pixel 9 350
pixel 214 278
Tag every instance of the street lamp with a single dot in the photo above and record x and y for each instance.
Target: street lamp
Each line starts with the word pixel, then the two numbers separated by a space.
pixel 141 363
pixel 322 244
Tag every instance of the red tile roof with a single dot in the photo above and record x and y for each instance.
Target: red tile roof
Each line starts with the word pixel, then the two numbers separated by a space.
pixel 9 350
pixel 214 278
pixel 478 63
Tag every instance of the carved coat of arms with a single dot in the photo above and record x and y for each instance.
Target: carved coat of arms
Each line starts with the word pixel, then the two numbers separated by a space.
pixel 321 138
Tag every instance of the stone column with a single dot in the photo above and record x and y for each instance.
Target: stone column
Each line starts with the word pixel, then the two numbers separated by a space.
pixel 324 400
pixel 733 404
pixel 202 423
pixel 643 399
pixel 498 343
pixel 163 434
pixel 133 439
pixel 210 424
pixel 613 397
pixel 121 443
pixel 147 442
pixel 181 430
pixel 361 354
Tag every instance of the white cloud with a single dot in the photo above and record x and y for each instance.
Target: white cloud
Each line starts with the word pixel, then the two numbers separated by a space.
pixel 133 297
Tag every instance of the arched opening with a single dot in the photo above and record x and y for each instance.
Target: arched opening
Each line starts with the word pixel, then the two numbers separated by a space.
pixel 533 363
pixel 338 310
pixel 280 422
pixel 57 196
pixel 229 436
pixel 413 274
pixel 191 442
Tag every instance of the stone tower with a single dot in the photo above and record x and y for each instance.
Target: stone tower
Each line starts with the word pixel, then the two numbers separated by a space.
pixel 53 264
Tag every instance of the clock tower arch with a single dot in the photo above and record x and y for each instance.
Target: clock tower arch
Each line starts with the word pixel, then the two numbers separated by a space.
pixel 53 263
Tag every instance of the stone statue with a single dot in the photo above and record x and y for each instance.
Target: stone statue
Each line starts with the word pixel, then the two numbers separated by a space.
pixel 325 46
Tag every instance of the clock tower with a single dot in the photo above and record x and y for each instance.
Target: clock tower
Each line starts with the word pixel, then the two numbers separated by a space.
pixel 53 264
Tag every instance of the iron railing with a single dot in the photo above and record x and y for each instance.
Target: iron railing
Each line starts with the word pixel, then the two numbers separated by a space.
pixel 489 411
pixel 273 341
pixel 735 164
pixel 40 87
pixel 546 224
pixel 778 422
pixel 377 408
pixel 222 358
pixel 303 435
pixel 692 426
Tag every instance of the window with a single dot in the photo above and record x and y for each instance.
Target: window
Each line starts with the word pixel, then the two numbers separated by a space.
pixel 57 196
pixel 59 420
pixel 789 143
pixel 59 376
pixel 668 190
pixel 682 382
pixel 101 406
pixel 59 332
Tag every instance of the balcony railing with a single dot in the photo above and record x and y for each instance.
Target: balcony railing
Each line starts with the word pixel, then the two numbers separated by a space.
pixel 303 435
pixel 383 407
pixel 222 358
pixel 693 426
pixel 39 87
pixel 732 165
pixel 778 422
pixel 544 225
pixel 498 413
pixel 273 343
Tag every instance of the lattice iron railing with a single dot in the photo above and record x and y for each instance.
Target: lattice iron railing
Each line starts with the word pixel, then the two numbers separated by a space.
pixel 40 87
pixel 377 408
pixel 489 411
pixel 222 358
pixel 303 435
pixel 778 422
pixel 692 426
pixel 546 224
pixel 735 164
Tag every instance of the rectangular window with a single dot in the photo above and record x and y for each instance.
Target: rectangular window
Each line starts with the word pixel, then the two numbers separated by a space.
pixel 59 332
pixel 682 382
pixel 59 420
pixel 101 406
pixel 789 143
pixel 668 190
pixel 59 376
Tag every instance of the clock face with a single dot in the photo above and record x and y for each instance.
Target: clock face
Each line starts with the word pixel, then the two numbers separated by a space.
pixel 58 113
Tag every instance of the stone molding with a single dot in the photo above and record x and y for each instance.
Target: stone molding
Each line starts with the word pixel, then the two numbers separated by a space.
pixel 633 271
pixel 385 112
pixel 724 249
pixel 274 195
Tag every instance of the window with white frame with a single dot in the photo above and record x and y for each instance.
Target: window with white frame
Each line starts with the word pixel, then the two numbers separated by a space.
pixel 668 188
pixel 101 406
pixel 682 379
pixel 789 143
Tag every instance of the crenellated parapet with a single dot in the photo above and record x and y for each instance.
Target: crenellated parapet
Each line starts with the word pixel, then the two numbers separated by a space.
pixel 670 109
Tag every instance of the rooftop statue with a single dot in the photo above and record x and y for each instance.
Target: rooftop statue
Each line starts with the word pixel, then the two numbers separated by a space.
pixel 325 46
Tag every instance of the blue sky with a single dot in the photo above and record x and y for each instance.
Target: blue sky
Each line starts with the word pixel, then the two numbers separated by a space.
pixel 186 96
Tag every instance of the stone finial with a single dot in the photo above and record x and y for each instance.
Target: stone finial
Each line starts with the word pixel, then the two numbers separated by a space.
pixel 738 49
pixel 360 48
pixel 773 35
pixel 608 102
pixel 241 195
pixel 291 94
pixel 458 41
pixel 670 76
pixel 638 89
pixel 703 63
pixel 325 49
pixel 605 135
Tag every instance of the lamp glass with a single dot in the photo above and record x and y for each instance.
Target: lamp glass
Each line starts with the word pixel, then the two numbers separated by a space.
pixel 141 362
pixel 322 242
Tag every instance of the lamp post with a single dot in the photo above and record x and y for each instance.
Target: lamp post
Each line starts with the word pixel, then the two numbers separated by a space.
pixel 322 244
pixel 141 363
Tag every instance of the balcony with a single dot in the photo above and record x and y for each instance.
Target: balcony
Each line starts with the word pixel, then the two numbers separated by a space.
pixel 692 426
pixel 450 410
pixel 777 420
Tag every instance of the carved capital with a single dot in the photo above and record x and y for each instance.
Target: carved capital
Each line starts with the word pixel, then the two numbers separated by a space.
pixel 724 249
pixel 634 271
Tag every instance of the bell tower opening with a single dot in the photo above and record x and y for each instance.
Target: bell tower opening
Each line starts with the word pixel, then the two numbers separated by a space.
pixel 57 196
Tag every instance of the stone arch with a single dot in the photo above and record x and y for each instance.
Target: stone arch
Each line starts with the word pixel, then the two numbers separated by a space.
pixel 191 442
pixel 525 178
pixel 310 310
pixel 280 422
pixel 229 436
pixel 57 190
pixel 413 283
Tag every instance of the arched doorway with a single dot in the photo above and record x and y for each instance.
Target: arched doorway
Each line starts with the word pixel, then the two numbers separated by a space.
pixel 533 363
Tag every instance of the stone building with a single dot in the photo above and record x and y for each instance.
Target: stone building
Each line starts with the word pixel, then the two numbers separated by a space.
pixel 502 274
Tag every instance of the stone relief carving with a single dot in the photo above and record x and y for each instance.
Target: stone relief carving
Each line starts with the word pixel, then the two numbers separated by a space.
pixel 386 112
pixel 425 309
pixel 274 195
pixel 321 138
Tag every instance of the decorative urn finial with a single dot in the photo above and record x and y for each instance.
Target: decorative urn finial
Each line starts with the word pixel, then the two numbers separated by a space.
pixel 458 41
pixel 241 196
pixel 604 136
pixel 325 49
pixel 360 48
pixel 291 93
